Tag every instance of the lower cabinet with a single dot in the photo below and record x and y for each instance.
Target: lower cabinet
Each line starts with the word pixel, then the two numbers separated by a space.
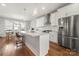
pixel 39 45
pixel 53 37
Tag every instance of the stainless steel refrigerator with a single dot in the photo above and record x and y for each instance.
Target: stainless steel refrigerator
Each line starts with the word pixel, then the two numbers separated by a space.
pixel 68 34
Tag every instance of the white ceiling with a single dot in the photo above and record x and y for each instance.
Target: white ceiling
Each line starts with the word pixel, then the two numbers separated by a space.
pixel 28 11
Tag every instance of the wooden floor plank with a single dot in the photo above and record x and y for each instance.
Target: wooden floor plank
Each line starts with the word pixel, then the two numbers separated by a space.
pixel 7 49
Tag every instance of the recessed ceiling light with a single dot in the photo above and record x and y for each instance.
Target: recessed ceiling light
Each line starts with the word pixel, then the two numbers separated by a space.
pixel 35 11
pixel 2 4
pixel 43 8
pixel 24 9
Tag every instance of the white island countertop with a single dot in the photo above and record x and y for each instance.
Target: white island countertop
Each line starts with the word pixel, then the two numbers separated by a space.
pixel 37 42
pixel 34 33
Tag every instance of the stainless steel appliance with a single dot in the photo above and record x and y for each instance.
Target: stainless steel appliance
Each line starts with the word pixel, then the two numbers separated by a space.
pixel 68 34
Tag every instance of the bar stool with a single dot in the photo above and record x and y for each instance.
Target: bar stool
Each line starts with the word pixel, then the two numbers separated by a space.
pixel 9 36
pixel 19 41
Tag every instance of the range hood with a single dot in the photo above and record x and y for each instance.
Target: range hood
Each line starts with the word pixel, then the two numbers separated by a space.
pixel 48 22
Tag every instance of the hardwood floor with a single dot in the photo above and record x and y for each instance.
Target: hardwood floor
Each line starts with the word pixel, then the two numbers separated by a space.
pixel 9 48
pixel 56 50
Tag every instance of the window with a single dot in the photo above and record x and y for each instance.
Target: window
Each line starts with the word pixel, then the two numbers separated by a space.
pixel 8 25
pixel 14 25
pixel 22 26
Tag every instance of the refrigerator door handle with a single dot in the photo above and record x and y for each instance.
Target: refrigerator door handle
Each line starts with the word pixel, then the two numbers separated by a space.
pixel 73 38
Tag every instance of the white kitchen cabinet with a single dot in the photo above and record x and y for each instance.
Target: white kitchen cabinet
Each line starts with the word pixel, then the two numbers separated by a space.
pixel 54 19
pixel 37 42
pixel 39 22
pixel 54 22
pixel 53 37
pixel 33 24
pixel 28 24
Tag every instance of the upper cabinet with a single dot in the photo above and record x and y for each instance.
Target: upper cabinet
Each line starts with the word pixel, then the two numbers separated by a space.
pixel 69 10
pixel 33 23
pixel 39 22
pixel 27 25
pixel 54 19
pixel 72 9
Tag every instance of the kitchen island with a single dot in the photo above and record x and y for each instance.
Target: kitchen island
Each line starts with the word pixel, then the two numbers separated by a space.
pixel 38 43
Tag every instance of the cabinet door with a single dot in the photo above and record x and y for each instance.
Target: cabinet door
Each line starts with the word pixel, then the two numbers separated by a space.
pixel 40 21
pixel 54 19
pixel 59 39
pixel 53 37
pixel 66 42
pixel 33 23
